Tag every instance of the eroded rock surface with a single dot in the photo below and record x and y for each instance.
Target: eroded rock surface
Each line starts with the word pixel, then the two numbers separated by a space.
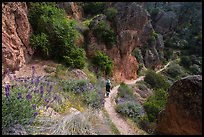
pixel 183 112
pixel 16 31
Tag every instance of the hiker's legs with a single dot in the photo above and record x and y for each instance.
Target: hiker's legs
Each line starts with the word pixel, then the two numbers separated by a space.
pixel 107 94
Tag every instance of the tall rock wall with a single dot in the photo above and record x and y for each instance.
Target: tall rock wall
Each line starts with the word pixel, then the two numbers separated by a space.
pixel 130 21
pixel 16 31
pixel 183 112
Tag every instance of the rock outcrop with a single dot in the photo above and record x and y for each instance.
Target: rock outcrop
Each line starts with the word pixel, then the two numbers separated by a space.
pixel 130 21
pixel 16 31
pixel 183 112
pixel 71 8
pixel 164 22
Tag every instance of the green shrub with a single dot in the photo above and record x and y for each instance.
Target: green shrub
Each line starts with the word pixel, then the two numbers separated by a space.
pixel 146 125
pixel 93 8
pixel 156 80
pixel 125 91
pixel 105 34
pixel 195 69
pixel 138 55
pixel 129 109
pixel 141 85
pixel 41 43
pixel 168 54
pixel 75 58
pixel 103 62
pixel 174 70
pixel 14 110
pixel 155 104
pixel 111 13
pixel 185 61
pixel 92 98
pixel 51 25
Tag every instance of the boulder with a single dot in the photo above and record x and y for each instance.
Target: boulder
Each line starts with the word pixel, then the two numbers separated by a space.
pixel 183 112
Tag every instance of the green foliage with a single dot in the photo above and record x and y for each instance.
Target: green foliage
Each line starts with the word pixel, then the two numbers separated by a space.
pixel 185 61
pixel 111 13
pixel 105 34
pixel 168 54
pixel 174 70
pixel 103 62
pixel 40 42
pixel 129 109
pixel 146 125
pixel 155 104
pixel 156 80
pixel 141 85
pixel 51 25
pixel 138 55
pixel 195 69
pixel 75 57
pixel 125 91
pixel 93 8
pixel 15 111
pixel 92 98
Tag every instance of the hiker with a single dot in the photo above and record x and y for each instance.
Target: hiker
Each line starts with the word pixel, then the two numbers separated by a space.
pixel 108 87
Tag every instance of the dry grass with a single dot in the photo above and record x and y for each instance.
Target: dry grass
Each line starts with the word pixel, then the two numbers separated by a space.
pixel 76 123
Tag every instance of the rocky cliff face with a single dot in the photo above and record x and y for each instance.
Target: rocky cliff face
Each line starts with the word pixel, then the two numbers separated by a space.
pixel 16 31
pixel 130 22
pixel 183 112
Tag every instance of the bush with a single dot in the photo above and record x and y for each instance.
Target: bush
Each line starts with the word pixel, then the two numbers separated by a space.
pixel 196 70
pixel 92 98
pixel 185 61
pixel 103 62
pixel 156 80
pixel 23 99
pixel 129 109
pixel 55 34
pixel 76 86
pixel 155 104
pixel 75 58
pixel 125 92
pixel 174 70
pixel 16 110
pixel 138 55
pixel 41 43
pixel 111 13
pixel 105 34
pixel 144 124
pixel 93 8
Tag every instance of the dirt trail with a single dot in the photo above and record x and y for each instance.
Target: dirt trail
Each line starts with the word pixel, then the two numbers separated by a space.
pixel 120 123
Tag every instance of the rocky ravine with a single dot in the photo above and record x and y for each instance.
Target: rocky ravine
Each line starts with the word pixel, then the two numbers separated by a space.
pixel 183 112
pixel 16 31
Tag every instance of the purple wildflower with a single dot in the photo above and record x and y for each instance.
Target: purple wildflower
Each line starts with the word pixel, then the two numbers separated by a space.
pixel 7 90
pixel 28 97
pixel 33 71
pixel 50 89
pixel 47 107
pixel 14 76
pixel 19 95
pixel 34 106
pixel 35 114
pixel 36 90
pixel 47 100
pixel 41 90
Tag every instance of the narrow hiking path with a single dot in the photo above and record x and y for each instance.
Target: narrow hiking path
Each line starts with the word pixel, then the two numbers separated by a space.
pixel 120 123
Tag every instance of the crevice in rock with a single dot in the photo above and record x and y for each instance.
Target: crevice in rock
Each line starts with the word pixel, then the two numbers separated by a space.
pixel 15 18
